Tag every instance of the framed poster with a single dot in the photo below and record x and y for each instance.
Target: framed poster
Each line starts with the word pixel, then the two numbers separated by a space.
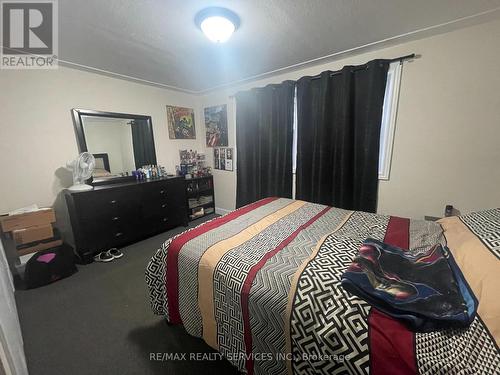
pixel 229 159
pixel 180 122
pixel 216 158
pixel 216 125
pixel 224 159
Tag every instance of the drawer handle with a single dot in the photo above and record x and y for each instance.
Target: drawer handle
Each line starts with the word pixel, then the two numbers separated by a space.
pixel 164 219
pixel 119 234
pixel 115 218
pixel 113 201
pixel 163 205
pixel 162 191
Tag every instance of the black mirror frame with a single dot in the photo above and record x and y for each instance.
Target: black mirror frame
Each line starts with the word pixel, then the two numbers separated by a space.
pixel 77 114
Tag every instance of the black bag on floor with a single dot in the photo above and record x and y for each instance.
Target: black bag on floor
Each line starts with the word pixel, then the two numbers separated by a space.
pixel 48 266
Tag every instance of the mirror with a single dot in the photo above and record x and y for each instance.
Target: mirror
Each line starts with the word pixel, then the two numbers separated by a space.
pixel 120 143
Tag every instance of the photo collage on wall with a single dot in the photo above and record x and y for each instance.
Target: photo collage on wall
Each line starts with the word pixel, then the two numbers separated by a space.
pixel 224 158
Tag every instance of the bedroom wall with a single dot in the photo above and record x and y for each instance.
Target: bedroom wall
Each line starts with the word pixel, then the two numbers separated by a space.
pixel 36 129
pixel 446 148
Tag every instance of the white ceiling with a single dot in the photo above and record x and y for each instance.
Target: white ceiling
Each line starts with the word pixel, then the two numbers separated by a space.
pixel 157 41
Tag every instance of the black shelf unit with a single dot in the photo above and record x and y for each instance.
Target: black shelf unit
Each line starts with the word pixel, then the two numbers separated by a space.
pixel 200 197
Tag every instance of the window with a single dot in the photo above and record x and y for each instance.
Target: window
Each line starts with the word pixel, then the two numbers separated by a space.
pixel 389 114
pixel 294 145
pixel 388 126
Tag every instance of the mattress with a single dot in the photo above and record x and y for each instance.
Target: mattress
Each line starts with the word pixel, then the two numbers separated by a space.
pixel 262 286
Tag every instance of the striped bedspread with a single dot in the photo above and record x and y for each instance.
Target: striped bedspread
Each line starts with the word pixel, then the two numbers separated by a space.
pixel 262 286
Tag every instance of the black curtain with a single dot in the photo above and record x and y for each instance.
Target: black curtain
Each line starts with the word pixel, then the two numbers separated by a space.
pixel 143 142
pixel 338 117
pixel 264 135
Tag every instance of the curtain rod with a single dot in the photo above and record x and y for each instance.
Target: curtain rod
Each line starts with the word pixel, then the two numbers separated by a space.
pixel 411 56
pixel 364 66
pixel 400 58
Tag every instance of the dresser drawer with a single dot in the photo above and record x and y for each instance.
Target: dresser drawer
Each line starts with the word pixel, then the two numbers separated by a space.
pixel 157 224
pixel 106 204
pixel 156 190
pixel 159 198
pixel 107 234
pixel 150 208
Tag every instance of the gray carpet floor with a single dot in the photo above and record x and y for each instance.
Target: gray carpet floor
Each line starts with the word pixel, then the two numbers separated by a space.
pixel 98 321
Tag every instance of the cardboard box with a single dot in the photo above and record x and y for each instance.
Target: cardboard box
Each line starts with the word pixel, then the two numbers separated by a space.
pixel 32 234
pixel 43 216
pixel 39 247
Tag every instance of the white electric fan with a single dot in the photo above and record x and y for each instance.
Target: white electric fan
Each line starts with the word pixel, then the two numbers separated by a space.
pixel 82 168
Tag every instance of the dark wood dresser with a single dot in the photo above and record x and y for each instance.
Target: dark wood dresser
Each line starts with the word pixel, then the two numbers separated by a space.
pixel 118 214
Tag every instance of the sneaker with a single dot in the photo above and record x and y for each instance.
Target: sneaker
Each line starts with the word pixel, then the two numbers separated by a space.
pixel 104 257
pixel 115 253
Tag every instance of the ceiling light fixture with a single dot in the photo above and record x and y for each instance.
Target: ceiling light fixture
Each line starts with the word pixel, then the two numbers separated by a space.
pixel 218 24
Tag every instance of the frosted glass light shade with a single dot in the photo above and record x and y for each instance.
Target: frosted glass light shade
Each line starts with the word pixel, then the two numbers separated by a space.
pixel 217 29
pixel 218 24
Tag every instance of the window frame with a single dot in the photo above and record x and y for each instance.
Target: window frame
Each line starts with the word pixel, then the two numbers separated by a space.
pixel 389 118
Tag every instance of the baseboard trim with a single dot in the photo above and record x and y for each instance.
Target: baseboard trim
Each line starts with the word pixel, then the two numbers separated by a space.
pixel 221 211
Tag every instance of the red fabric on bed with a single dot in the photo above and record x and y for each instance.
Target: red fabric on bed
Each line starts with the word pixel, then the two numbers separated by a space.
pixel 398 232
pixel 172 279
pixel 392 345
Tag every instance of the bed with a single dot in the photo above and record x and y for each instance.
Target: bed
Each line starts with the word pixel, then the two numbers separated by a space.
pixel 262 286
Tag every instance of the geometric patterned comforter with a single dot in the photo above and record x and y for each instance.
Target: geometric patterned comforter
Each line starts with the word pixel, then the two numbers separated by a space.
pixel 262 286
